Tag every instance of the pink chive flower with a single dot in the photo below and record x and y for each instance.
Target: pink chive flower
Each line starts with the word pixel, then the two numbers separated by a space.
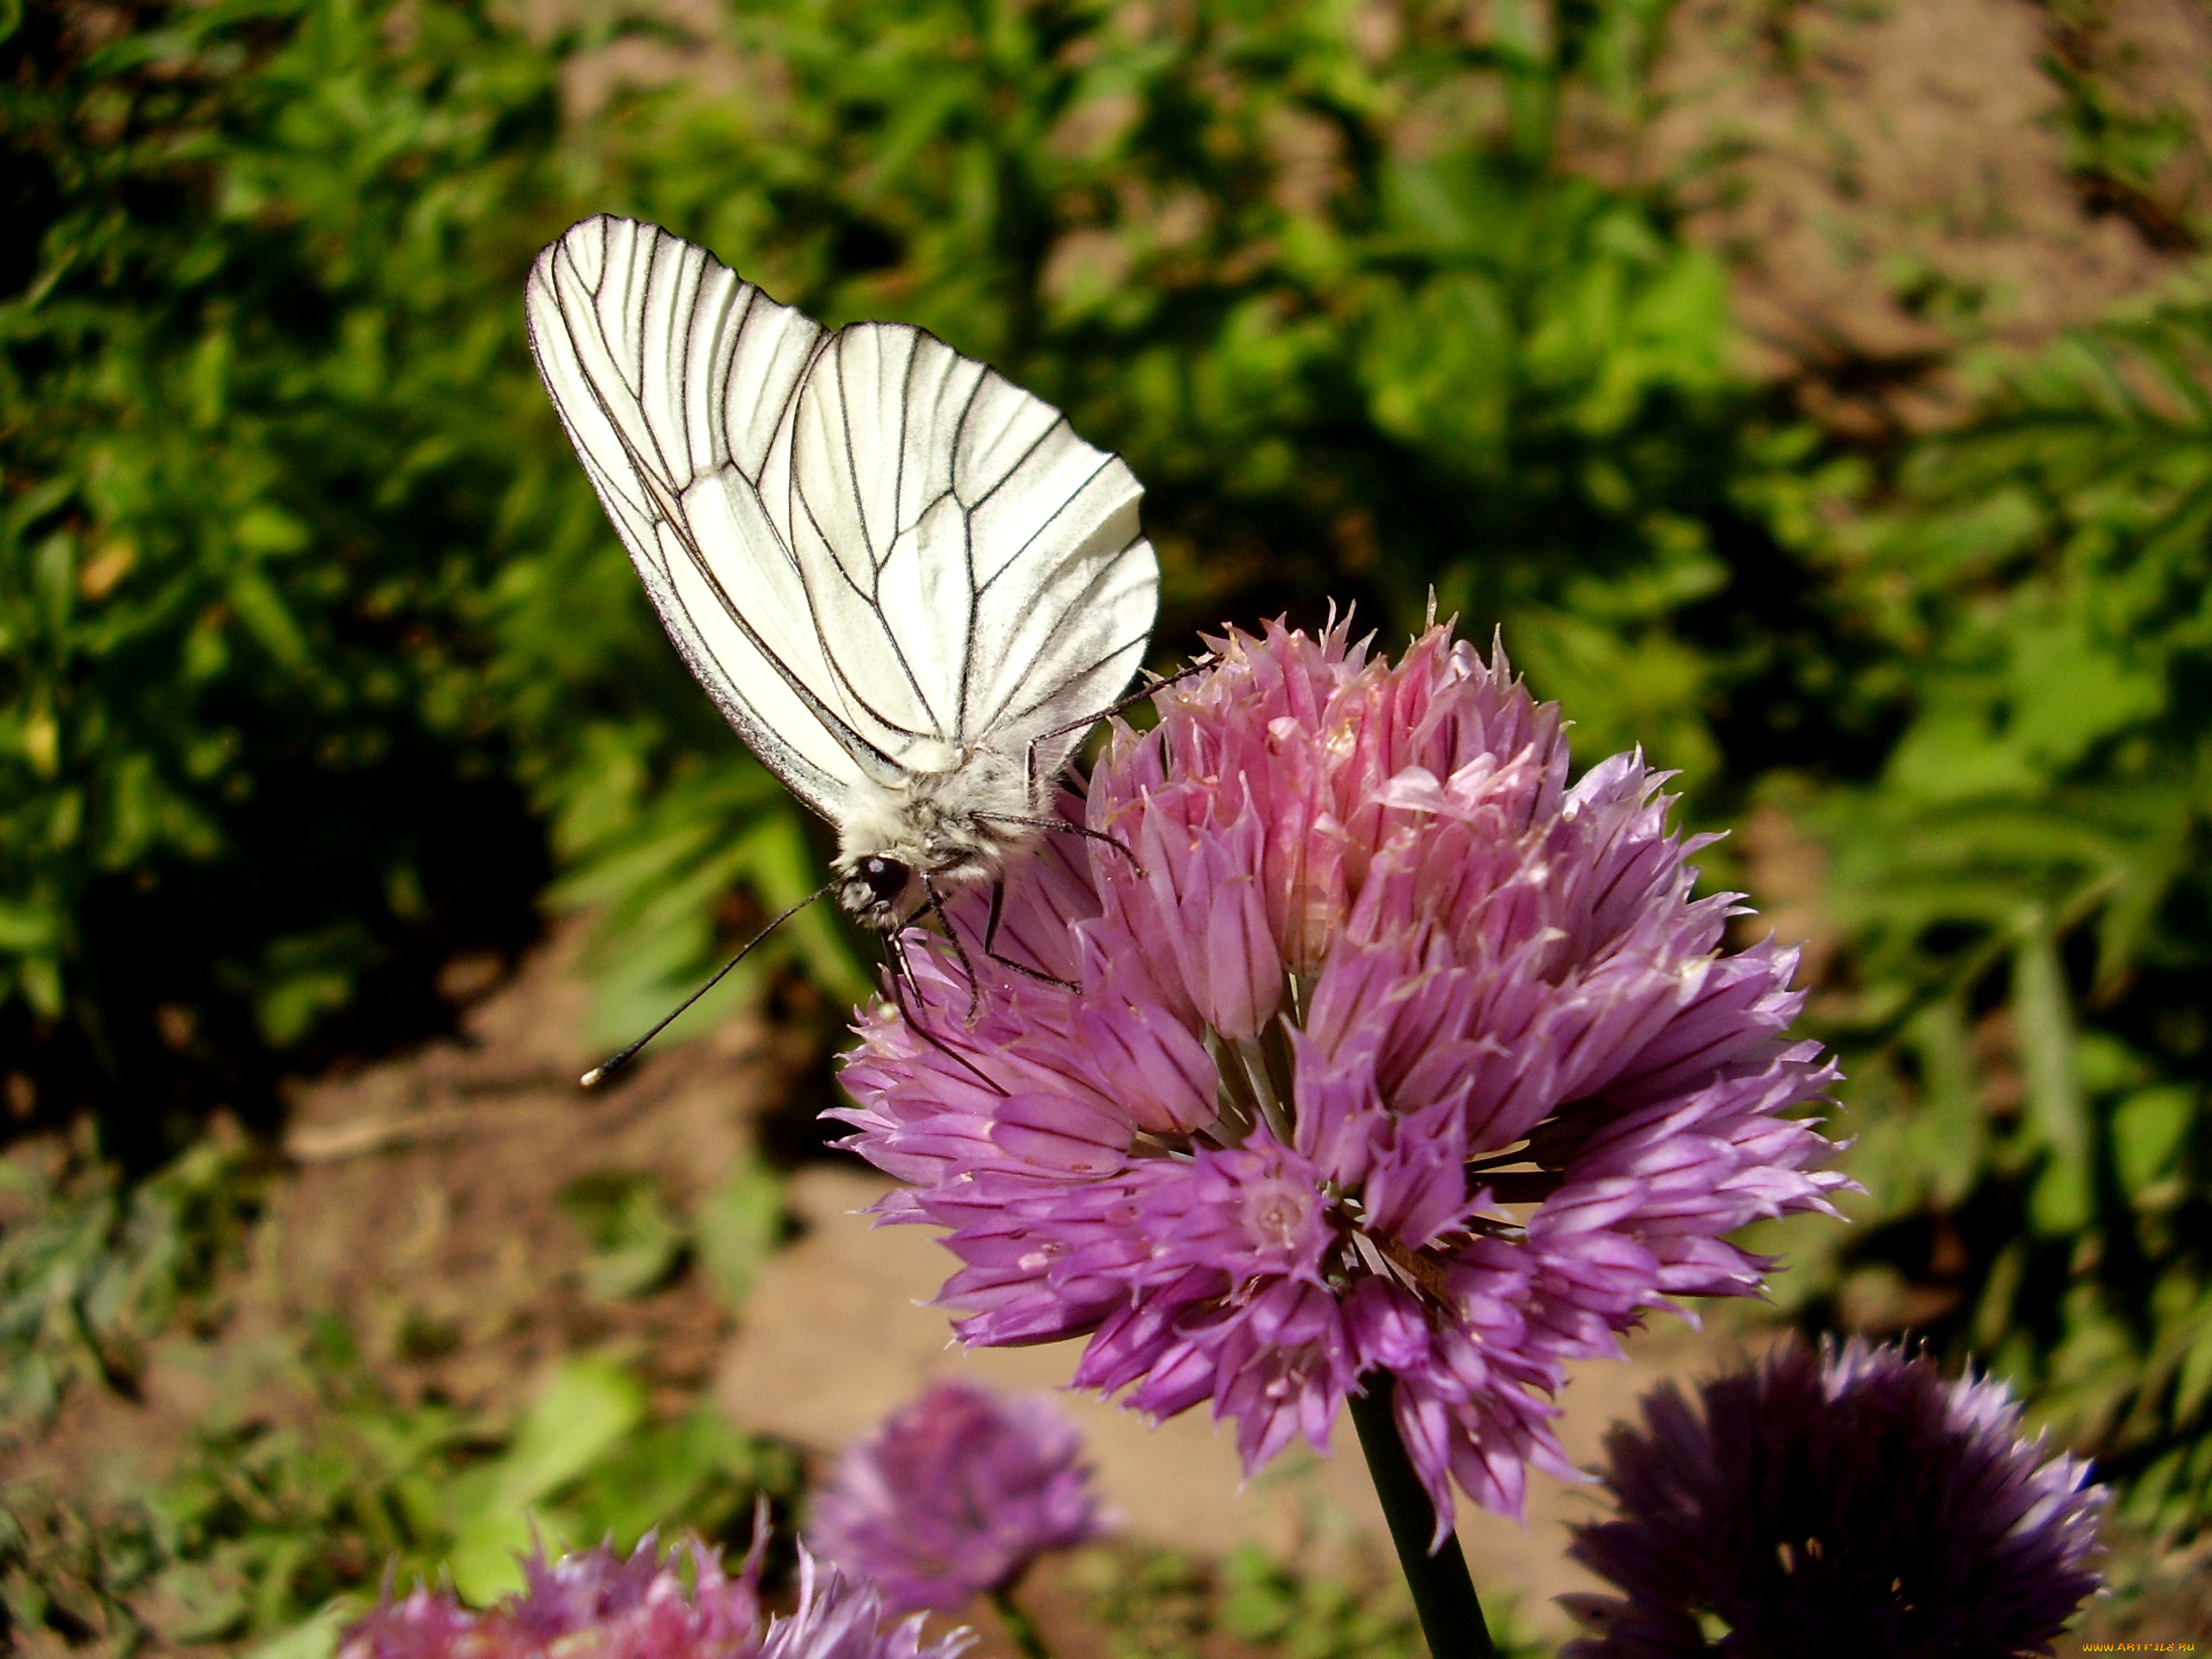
pixel 955 1496
pixel 1857 1504
pixel 1390 1049
pixel 596 1605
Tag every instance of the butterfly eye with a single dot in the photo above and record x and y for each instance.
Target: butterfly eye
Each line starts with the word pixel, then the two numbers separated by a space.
pixel 887 878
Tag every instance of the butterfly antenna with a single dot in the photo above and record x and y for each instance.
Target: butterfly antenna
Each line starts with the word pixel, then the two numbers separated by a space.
pixel 600 1073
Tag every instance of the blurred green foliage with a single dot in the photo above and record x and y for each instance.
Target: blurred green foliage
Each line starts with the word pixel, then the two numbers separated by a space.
pixel 1158 1604
pixel 2133 150
pixel 313 1481
pixel 263 1523
pixel 1316 1618
pixel 1329 276
pixel 639 1242
pixel 310 633
pixel 91 1272
pixel 258 436
pixel 586 1464
pixel 2024 892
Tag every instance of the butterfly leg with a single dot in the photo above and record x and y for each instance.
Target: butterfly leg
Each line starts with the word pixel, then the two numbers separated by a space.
pixel 991 939
pixel 902 971
pixel 975 983
pixel 902 980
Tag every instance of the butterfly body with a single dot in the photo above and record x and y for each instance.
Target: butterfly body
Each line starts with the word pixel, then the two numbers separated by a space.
pixel 906 581
pixel 954 823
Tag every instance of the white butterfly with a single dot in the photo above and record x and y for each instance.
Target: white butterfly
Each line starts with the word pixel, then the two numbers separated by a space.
pixel 907 583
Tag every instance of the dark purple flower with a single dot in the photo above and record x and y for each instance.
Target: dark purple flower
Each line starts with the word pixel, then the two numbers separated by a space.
pixel 955 1494
pixel 595 1605
pixel 1391 1050
pixel 1855 1504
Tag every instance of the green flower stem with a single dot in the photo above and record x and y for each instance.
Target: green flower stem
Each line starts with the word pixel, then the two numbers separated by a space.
pixel 1019 1625
pixel 1444 1595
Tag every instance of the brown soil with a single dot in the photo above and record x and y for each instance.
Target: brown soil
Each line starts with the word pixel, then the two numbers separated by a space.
pixel 1892 181
pixel 419 1202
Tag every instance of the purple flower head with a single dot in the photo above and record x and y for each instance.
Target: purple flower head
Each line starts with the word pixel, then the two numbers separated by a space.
pixel 1853 1504
pixel 596 1605
pixel 1388 1049
pixel 955 1494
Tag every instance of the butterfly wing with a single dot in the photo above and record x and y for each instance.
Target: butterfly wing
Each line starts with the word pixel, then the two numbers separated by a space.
pixel 870 548
pixel 979 566
pixel 677 382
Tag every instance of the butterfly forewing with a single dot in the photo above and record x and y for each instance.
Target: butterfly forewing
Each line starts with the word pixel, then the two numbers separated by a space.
pixel 873 552
pixel 679 478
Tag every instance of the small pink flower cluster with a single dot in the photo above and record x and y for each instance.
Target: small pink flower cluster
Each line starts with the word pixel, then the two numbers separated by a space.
pixel 597 1605
pixel 954 1495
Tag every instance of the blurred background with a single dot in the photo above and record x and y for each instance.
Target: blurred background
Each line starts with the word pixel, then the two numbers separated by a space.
pixel 1816 392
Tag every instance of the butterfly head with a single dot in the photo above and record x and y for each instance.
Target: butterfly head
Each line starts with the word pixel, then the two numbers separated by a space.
pixel 874 889
pixel 933 832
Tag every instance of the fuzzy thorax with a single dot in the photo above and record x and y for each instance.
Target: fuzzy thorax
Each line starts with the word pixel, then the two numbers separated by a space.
pixel 953 819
